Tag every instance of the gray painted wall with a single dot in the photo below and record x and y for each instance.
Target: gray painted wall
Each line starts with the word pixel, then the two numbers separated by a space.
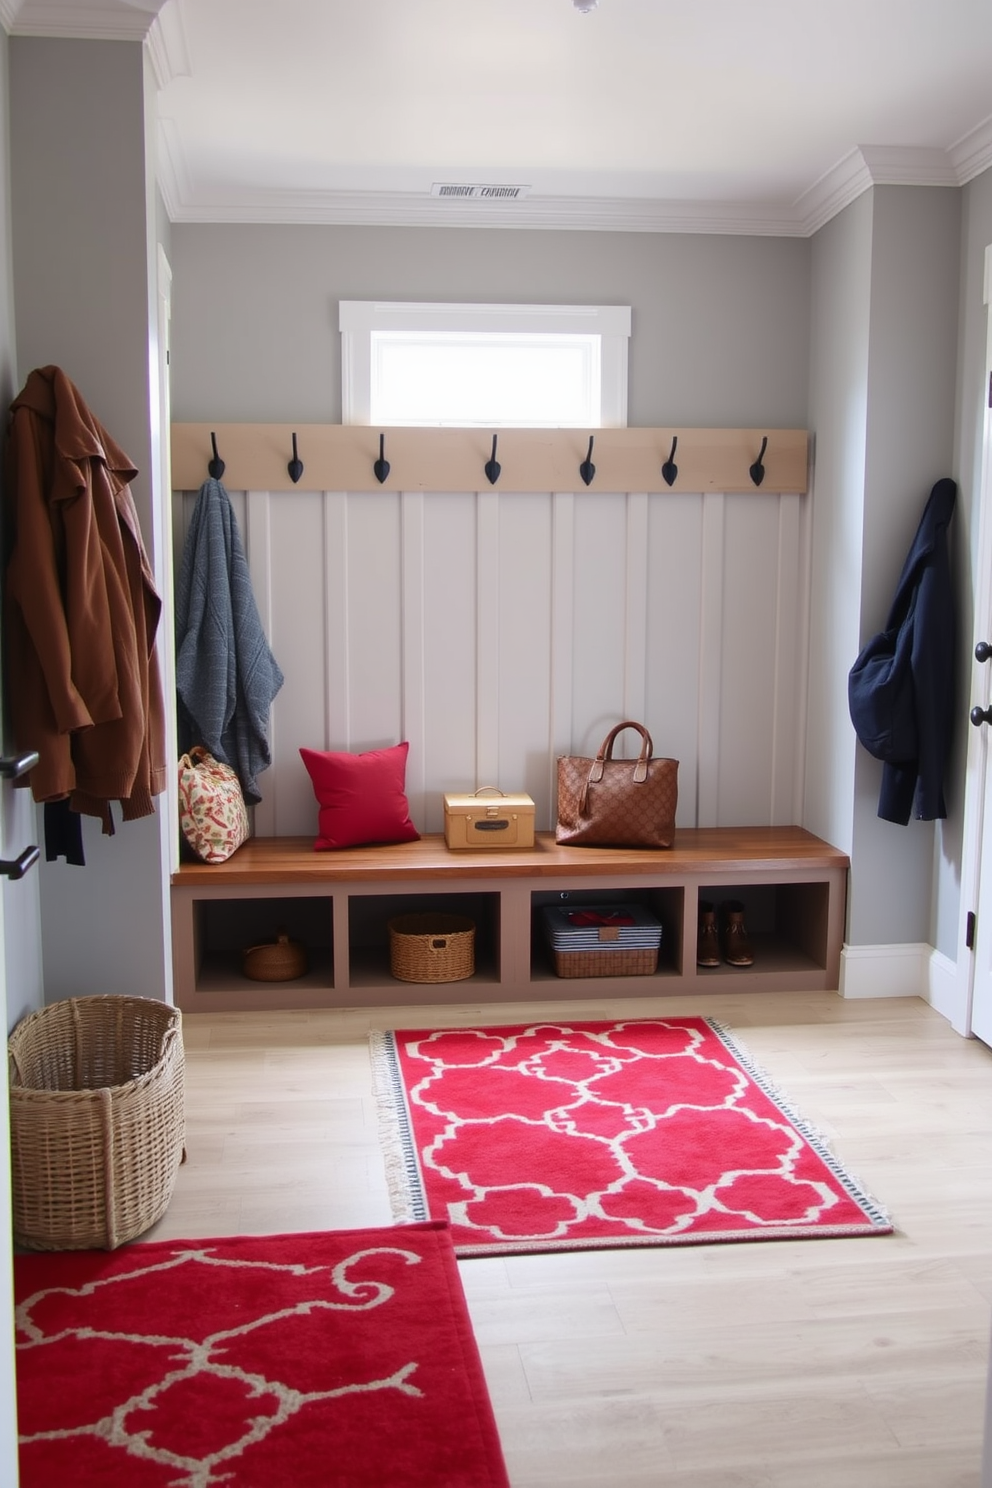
pixel 720 325
pixel 915 265
pixel 80 232
pixel 838 418
pixel 81 251
pixel 884 329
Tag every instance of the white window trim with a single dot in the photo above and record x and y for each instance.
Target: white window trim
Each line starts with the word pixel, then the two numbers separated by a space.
pixel 358 319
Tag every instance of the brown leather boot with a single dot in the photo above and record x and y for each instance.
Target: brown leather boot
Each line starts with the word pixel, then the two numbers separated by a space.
pixel 708 940
pixel 736 946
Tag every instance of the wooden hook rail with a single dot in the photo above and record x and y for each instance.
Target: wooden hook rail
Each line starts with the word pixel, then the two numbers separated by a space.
pixel 343 457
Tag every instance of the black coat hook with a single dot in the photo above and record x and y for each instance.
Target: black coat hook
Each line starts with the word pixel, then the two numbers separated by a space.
pixel 381 466
pixel 493 466
pixel 216 465
pixel 587 469
pixel 670 470
pixel 295 466
pixel 757 470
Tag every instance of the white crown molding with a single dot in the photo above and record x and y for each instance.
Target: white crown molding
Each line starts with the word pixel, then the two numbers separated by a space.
pixel 114 20
pixel 8 13
pixel 173 181
pixel 835 190
pixel 168 47
pixel 416 209
pixel 894 165
pixel 863 167
pixel 879 165
pixel 972 154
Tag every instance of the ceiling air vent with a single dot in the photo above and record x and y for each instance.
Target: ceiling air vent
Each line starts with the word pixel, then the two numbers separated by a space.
pixel 478 192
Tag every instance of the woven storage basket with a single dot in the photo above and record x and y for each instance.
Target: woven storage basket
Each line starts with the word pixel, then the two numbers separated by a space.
pixel 611 963
pixel 431 947
pixel 282 960
pixel 97 1122
pixel 602 940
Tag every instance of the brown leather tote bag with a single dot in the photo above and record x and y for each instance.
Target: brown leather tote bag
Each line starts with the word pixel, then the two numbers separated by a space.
pixel 604 802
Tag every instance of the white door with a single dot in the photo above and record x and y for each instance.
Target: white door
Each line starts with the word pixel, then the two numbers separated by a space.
pixel 979 925
pixel 976 886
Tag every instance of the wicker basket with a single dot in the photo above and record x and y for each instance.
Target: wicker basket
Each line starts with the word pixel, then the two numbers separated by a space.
pixel 281 960
pixel 612 963
pixel 431 947
pixel 96 1120
pixel 602 940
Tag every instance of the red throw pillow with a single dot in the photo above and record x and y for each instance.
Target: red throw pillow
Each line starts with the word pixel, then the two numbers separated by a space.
pixel 362 797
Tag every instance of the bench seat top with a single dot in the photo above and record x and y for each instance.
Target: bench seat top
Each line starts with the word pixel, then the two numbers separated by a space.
pixel 696 851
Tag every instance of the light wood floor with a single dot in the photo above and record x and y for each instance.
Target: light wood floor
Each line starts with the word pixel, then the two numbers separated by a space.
pixel 800 1364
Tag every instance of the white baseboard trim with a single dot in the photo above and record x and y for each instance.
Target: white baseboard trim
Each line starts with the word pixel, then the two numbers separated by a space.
pixel 944 992
pixel 905 970
pixel 885 970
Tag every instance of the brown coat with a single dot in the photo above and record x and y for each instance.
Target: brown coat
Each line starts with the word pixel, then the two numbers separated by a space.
pixel 80 609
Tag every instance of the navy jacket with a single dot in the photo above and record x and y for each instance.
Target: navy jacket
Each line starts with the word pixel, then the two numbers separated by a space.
pixel 901 688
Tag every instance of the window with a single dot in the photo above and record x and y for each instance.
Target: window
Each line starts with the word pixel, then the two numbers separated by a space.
pixel 524 366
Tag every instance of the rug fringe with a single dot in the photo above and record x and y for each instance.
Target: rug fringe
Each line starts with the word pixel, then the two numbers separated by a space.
pixel 403 1181
pixel 807 1129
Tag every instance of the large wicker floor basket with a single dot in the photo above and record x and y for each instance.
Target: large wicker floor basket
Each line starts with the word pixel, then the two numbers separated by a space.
pixel 97 1120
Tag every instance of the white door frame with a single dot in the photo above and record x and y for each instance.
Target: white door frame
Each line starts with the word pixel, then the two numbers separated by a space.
pixel 980 691
pixel 164 558
pixel 8 1377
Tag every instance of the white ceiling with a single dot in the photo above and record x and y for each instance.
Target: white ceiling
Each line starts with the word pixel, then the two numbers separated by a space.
pixel 686 115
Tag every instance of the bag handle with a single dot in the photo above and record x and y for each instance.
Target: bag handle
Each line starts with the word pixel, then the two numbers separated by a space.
pixel 606 752
pixel 197 754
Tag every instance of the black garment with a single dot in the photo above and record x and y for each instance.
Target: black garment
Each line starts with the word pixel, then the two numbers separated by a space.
pixel 63 833
pixel 901 688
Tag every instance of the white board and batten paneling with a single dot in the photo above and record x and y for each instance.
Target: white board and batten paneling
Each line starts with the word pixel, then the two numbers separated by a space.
pixel 495 630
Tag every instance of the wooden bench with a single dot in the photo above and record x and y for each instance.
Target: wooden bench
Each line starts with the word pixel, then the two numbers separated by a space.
pixel 792 884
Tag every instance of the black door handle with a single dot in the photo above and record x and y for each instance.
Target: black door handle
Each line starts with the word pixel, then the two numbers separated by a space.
pixel 983 651
pixel 979 715
pixel 20 866
pixel 13 765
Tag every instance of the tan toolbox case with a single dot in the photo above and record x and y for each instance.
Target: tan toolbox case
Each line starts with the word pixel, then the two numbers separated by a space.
pixel 488 819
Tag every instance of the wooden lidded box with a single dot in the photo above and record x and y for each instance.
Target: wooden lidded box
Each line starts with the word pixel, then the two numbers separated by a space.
pixel 487 820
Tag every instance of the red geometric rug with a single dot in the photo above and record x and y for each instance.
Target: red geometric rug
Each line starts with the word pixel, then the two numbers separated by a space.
pixel 557 1136
pixel 341 1360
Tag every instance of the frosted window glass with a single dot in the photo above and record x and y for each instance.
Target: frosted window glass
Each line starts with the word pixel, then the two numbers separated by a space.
pixel 536 381
pixel 517 366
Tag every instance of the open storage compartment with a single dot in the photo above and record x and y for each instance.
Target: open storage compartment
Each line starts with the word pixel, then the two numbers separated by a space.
pixel 223 929
pixel 666 904
pixel 368 934
pixel 787 926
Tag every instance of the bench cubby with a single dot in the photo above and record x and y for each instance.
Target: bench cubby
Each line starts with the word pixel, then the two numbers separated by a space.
pixel 217 930
pixel 666 904
pixel 368 934
pixel 788 925
pixel 792 883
